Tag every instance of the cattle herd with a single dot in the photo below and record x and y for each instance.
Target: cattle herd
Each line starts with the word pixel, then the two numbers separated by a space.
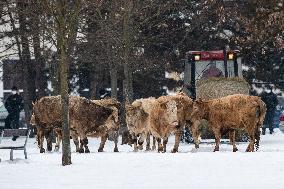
pixel 150 117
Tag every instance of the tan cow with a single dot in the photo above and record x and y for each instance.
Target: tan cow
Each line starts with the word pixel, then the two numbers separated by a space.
pixel 184 110
pixel 159 119
pixel 230 113
pixel 136 119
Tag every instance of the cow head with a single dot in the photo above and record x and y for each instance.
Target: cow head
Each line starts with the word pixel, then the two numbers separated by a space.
pixel 134 113
pixel 170 109
pixel 32 121
pixel 199 112
pixel 113 122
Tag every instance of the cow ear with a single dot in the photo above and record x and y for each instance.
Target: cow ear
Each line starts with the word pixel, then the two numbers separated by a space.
pixel 163 105
pixel 145 114
pixel 128 107
pixel 137 104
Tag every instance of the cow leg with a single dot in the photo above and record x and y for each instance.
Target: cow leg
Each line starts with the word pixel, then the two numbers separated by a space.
pixel 148 142
pixel 154 144
pixel 85 142
pixel 81 149
pixel 75 140
pixel 40 138
pixel 102 144
pixel 250 147
pixel 165 141
pixel 232 136
pixel 115 142
pixel 140 142
pixel 48 138
pixel 217 139
pixel 178 135
pixel 134 141
pixel 58 139
pixel 194 129
pixel 160 146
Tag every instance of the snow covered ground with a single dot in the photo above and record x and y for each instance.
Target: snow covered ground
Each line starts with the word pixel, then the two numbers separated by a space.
pixel 126 169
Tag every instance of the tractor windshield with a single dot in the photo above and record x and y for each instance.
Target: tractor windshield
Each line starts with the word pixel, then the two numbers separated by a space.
pixel 213 68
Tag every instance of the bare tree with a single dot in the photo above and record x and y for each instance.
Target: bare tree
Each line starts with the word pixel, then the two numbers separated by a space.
pixel 65 14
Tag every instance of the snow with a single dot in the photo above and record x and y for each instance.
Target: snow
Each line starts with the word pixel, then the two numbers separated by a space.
pixel 187 169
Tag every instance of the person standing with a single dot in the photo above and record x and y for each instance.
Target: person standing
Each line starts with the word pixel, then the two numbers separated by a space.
pixel 271 101
pixel 14 105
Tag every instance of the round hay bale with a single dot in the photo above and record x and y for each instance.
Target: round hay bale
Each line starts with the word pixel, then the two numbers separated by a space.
pixel 217 87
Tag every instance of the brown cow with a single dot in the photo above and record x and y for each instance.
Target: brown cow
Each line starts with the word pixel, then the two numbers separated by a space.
pixel 102 131
pixel 46 116
pixel 230 113
pixel 85 117
pixel 91 119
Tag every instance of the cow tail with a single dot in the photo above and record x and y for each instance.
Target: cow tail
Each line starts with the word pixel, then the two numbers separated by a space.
pixel 257 137
pixel 260 113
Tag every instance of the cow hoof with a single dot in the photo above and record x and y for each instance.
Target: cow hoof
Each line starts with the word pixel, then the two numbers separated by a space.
pixel 196 146
pixel 49 149
pixel 81 151
pixel 235 149
pixel 216 150
pixel 115 150
pixel 100 150
pixel 174 150
pixel 56 149
pixel 42 150
pixel 140 147
pixel 153 148
pixel 135 150
pixel 147 148
pixel 87 151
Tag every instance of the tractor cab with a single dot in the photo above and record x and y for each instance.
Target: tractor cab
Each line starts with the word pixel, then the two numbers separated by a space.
pixel 214 74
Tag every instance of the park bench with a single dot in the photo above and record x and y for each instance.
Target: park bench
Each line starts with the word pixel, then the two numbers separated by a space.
pixel 6 142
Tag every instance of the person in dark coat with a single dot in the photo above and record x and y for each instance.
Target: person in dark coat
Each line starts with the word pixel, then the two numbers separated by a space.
pixel 271 101
pixel 14 105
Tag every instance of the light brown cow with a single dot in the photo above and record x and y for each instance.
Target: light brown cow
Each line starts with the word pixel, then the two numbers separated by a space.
pixel 230 113
pixel 159 119
pixel 184 110
pixel 136 119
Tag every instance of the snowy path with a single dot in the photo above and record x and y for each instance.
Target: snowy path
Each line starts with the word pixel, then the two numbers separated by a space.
pixel 186 169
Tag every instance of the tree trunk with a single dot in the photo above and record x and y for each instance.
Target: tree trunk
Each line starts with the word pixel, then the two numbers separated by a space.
pixel 113 81
pixel 28 67
pixel 66 150
pixel 41 82
pixel 40 77
pixel 93 85
pixel 64 68
pixel 128 81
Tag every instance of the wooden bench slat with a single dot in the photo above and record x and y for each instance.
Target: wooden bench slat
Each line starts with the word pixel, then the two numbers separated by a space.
pixel 15 132
pixel 12 147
